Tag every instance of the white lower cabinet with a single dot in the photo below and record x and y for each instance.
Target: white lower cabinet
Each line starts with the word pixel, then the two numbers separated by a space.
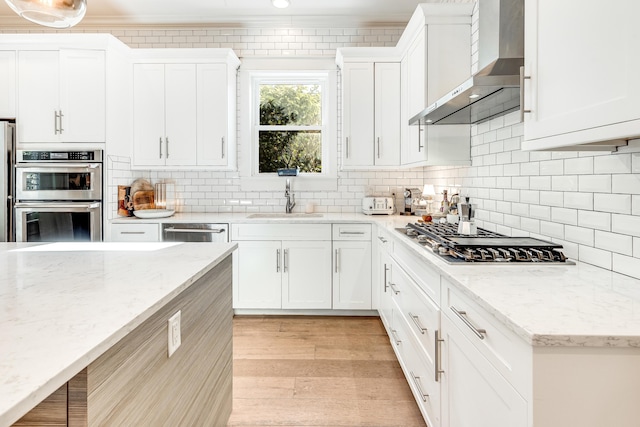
pixel 352 266
pixel 474 394
pixel 385 302
pixel 270 273
pixel 135 232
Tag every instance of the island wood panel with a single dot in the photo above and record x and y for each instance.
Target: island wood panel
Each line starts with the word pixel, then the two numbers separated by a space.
pixel 77 400
pixel 51 412
pixel 134 383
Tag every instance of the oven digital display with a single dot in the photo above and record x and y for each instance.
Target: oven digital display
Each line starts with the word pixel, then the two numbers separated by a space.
pixel 54 155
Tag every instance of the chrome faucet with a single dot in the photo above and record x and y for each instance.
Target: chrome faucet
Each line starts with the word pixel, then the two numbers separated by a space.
pixel 291 198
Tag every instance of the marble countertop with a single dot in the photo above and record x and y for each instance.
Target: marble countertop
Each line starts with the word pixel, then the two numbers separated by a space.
pixel 60 310
pixel 238 218
pixel 546 305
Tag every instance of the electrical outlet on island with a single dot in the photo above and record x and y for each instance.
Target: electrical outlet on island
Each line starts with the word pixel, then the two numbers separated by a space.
pixel 174 338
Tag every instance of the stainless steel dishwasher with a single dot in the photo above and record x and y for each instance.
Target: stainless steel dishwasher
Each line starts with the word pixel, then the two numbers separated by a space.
pixel 195 232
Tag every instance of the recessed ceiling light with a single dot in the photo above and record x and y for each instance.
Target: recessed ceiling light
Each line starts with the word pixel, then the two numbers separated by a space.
pixel 474 96
pixel 280 4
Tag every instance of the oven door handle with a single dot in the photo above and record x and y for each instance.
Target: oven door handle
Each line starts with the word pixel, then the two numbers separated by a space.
pixel 87 206
pixel 41 166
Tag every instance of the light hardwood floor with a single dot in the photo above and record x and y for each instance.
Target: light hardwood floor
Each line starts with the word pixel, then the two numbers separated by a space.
pixel 317 371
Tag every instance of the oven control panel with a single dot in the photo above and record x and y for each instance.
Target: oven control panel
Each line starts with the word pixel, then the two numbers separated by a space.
pixel 53 156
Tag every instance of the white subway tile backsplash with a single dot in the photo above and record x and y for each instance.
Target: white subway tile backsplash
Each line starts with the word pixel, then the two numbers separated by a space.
pixel 636 247
pixel 552 229
pixel 598 257
pixel 579 201
pixel 564 215
pixel 625 224
pixel 579 166
pixel 614 242
pixel 579 235
pixel 635 163
pixel 615 163
pixel 540 212
pixel 594 220
pixel 540 182
pixel 530 196
pixel 530 224
pixel 628 184
pixel 552 167
pixel 552 198
pixel 594 183
pixel 626 265
pixel 512 195
pixel 635 205
pixel 564 183
pixel 616 203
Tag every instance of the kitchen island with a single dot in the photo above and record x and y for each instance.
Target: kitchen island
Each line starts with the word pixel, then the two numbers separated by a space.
pixel 101 309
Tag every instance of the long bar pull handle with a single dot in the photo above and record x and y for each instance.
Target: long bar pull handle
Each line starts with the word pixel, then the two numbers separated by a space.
pixel 60 116
pixel 347 146
pixel 166 138
pixel 462 315
pixel 386 269
pixel 394 289
pixel 55 122
pixel 378 147
pixel 277 260
pixel 394 335
pixel 286 260
pixel 160 146
pixel 420 144
pixel 337 259
pixel 382 239
pixel 416 381
pixel 438 349
pixel 352 233
pixel 222 145
pixel 416 320
pixel 522 79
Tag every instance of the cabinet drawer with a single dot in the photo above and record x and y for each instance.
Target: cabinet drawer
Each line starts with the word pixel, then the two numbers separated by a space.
pixel 135 232
pixel 280 232
pixel 506 351
pixel 421 314
pixel 418 269
pixel 351 231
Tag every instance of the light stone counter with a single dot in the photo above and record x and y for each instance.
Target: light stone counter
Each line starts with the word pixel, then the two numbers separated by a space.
pixel 546 305
pixel 60 310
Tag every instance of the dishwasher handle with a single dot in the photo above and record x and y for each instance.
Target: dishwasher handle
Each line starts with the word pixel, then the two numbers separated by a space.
pixel 195 230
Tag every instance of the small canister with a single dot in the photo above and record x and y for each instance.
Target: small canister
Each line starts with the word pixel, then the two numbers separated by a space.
pixel 125 204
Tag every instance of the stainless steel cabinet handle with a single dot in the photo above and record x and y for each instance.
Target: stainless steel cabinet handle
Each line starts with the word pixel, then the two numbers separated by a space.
pixel 420 144
pixel 394 335
pixel 378 147
pixel 394 289
pixel 286 260
pixel 166 138
pixel 438 356
pixel 347 146
pixel 386 268
pixel 222 145
pixel 277 260
pixel 416 320
pixel 522 79
pixel 480 333
pixel 160 146
pixel 416 381
pixel 60 116
pixel 194 230
pixel 358 233
pixel 132 232
pixel 382 239
pixel 76 166
pixel 55 122
pixel 337 259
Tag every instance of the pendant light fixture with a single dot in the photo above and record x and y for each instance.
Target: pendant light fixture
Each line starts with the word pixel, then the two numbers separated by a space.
pixel 50 13
pixel 280 4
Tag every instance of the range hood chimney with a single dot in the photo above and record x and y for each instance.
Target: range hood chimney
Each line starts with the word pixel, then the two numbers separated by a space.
pixel 495 89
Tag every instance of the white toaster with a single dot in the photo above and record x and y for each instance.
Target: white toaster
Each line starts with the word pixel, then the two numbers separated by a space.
pixel 378 206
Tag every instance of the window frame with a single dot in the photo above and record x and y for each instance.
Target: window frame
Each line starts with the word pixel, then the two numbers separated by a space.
pixel 286 71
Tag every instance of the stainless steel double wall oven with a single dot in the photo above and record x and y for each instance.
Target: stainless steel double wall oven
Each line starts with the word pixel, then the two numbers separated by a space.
pixel 58 196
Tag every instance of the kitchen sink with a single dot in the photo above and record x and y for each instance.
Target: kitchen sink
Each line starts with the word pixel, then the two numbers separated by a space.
pixel 284 215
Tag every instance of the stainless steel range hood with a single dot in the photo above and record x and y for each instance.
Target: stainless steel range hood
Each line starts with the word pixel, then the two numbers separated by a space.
pixel 495 89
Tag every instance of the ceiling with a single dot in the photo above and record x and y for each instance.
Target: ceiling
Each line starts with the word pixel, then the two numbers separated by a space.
pixel 242 13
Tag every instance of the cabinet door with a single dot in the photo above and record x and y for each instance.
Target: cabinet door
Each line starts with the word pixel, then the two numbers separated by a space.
pixel 38 101
pixel 212 114
pixel 259 271
pixel 306 281
pixel 474 394
pixel 594 86
pixel 387 114
pixel 411 141
pixel 180 114
pixel 417 75
pixel 148 115
pixel 8 84
pixel 83 95
pixel 352 275
pixel 358 114
pixel 385 276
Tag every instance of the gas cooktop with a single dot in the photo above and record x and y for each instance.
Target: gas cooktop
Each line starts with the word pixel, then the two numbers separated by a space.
pixel 485 246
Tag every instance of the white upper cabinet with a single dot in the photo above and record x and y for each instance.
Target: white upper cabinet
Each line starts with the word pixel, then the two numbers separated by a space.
pixel 8 84
pixel 184 108
pixel 436 57
pixel 62 96
pixel 371 111
pixel 581 66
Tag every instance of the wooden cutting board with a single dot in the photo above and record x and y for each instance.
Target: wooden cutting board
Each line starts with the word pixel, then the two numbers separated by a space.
pixel 143 200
